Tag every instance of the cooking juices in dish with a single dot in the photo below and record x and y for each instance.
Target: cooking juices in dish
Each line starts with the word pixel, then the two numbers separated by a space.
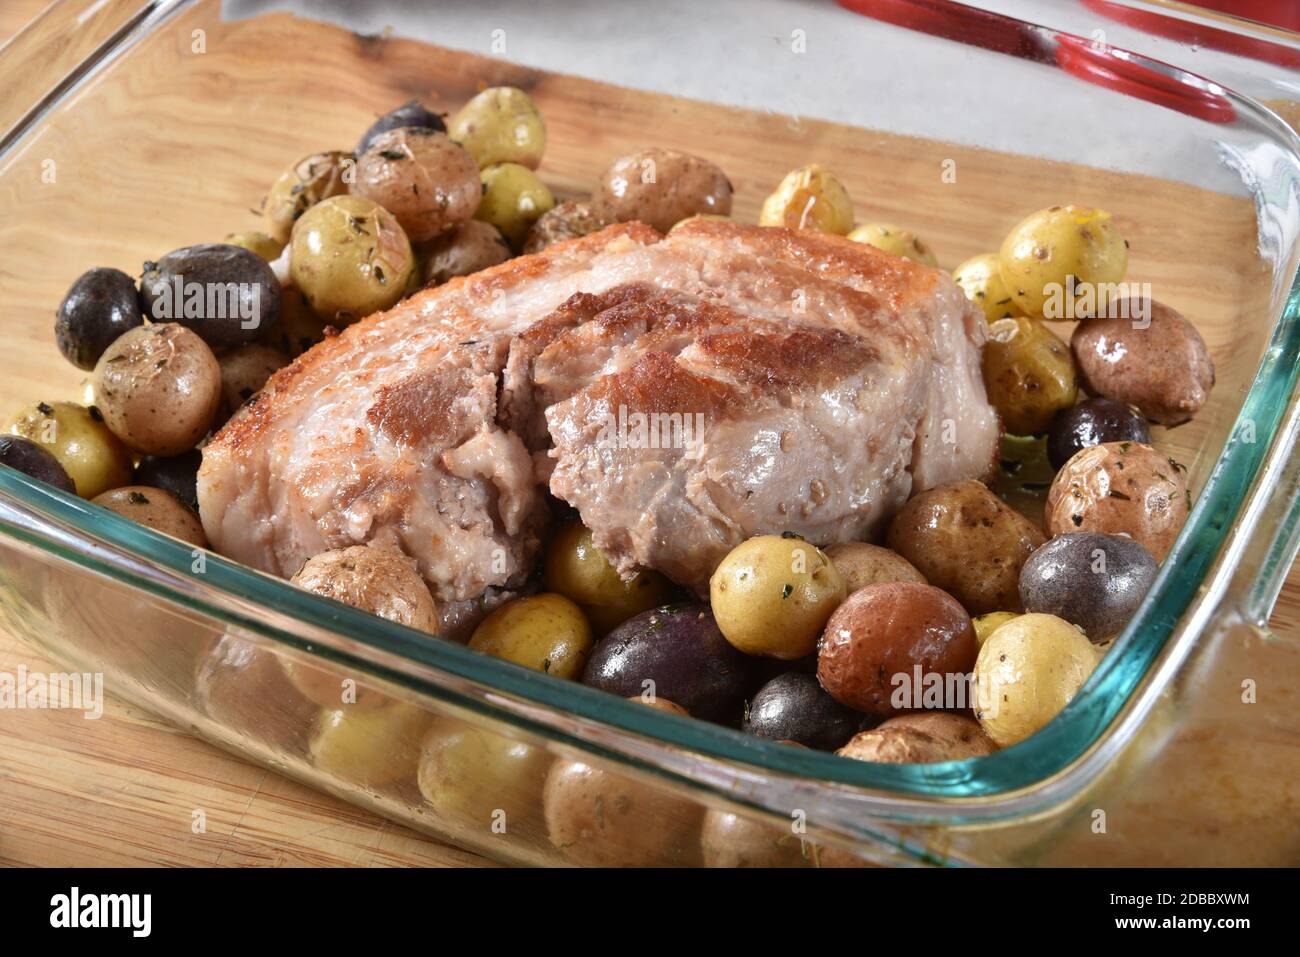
pixel 740 471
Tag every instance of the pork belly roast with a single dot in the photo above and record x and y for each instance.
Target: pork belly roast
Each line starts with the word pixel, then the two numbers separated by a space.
pixel 683 393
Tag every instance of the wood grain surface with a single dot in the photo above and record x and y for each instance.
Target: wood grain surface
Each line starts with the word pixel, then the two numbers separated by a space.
pixel 125 789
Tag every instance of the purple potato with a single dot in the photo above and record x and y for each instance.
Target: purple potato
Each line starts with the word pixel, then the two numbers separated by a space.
pixel 100 306
pixel 681 650
pixel 795 707
pixel 1091 580
pixel 35 461
pixel 226 294
pixel 177 474
pixel 1090 423
pixel 408 114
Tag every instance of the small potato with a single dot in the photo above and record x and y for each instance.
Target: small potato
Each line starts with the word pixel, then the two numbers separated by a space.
pixel 1093 581
pixel 1028 374
pixel 420 176
pixel 894 240
pixel 350 258
pixel 926 737
pixel 158 388
pixel 410 113
pixel 268 247
pixel 513 199
pixel 575 568
pixel 1092 422
pixel 1145 354
pixel 731 840
pixel 242 685
pixel 243 373
pixel 981 280
pixel 660 188
pixel 1121 488
pixel 154 508
pixel 225 294
pixel 373 578
pixel 876 640
pixel 809 198
pixel 599 818
pixel 967 541
pixel 462 251
pixel 97 308
pixel 678 652
pixel 35 461
pixel 985 625
pixel 1027 671
pixel 478 778
pixel 1054 260
pixel 794 708
pixel 310 180
pixel 299 327
pixel 94 458
pixel 545 632
pixel 177 474
pixel 860 564
pixel 569 220
pixel 501 125
pixel 370 747
pixel 772 595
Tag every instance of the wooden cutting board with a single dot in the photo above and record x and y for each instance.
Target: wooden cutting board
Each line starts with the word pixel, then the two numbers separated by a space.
pixel 125 789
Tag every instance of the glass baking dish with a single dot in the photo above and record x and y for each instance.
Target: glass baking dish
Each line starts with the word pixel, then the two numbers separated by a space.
pixel 143 127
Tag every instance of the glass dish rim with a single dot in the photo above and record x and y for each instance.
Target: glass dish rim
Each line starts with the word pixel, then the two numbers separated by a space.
pixel 144 559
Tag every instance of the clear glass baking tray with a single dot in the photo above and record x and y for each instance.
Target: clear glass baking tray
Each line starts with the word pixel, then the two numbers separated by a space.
pixel 142 127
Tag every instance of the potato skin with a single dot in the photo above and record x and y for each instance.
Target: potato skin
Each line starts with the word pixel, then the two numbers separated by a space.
pixel 373 578
pixel 545 632
pixel 896 241
pixel 925 737
pixel 158 388
pixel 420 176
pixel 967 541
pixel 1164 369
pixel 462 251
pixel 981 280
pixel 772 595
pixel 1121 488
pixel 886 630
pixel 599 818
pixel 157 509
pixel 1093 581
pixel 94 458
pixel 683 185
pixel 730 840
pixel 243 373
pixel 312 179
pixel 809 198
pixel 1027 671
pixel 861 564
pixel 1044 250
pixel 568 220
pixel 513 199
pixel 1028 373
pixel 501 124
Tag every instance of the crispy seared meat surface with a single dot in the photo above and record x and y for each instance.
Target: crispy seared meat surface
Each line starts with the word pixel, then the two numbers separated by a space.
pixel 682 392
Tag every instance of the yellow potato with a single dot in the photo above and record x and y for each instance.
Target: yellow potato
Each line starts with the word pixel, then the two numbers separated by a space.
pixel 513 199
pixel 546 632
pixel 1062 254
pixel 981 280
pixel 501 125
pixel 479 778
pixel 985 625
pixel 809 198
pixel 896 241
pixel 578 570
pixel 94 458
pixel 371 747
pixel 772 596
pixel 1028 373
pixel 1027 671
